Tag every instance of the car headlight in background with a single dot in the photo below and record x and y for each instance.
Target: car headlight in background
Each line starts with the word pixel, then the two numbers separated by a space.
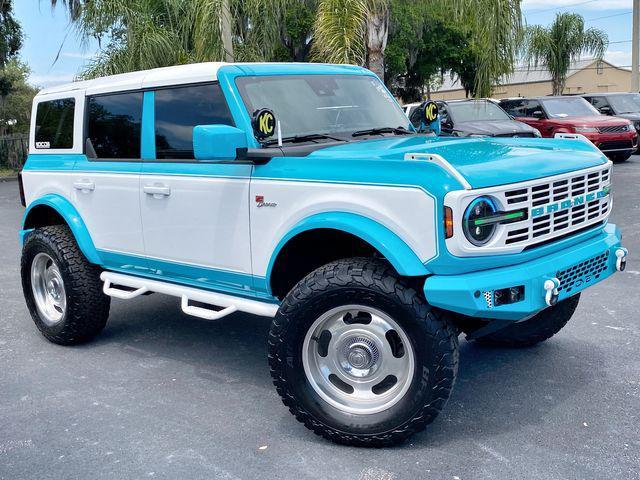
pixel 536 133
pixel 586 129
pixel 474 224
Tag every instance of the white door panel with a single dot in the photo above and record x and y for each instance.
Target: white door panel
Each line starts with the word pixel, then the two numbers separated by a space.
pixel 197 220
pixel 109 204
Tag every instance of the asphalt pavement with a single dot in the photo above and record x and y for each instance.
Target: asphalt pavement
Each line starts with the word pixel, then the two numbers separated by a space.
pixel 163 395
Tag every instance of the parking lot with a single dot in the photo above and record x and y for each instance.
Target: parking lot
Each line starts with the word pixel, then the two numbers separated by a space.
pixel 163 395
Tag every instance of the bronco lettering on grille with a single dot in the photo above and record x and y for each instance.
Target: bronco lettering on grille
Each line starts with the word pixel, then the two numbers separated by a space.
pixel 570 202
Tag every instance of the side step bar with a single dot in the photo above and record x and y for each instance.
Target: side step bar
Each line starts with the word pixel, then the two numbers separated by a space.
pixel 137 286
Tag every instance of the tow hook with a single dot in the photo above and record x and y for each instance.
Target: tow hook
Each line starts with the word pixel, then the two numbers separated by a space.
pixel 621 262
pixel 551 289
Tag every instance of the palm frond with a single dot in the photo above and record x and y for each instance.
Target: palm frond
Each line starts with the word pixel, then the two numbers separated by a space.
pixel 339 31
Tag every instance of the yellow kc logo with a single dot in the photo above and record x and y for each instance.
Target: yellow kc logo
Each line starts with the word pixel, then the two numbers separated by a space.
pixel 431 112
pixel 266 123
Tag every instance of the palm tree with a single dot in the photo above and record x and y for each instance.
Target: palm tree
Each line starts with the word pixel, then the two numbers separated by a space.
pixel 142 34
pixel 560 44
pixel 151 33
pixel 355 31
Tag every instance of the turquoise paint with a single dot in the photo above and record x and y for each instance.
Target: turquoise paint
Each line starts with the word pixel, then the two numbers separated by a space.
pixel 73 219
pixel 223 281
pixel 148 135
pixel 394 249
pixel 217 142
pixel 50 162
pixel 83 164
pixel 456 292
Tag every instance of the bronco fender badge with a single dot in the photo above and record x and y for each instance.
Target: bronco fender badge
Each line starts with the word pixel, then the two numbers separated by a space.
pixel 261 203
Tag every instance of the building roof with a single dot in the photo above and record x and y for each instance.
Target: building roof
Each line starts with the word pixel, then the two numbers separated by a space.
pixel 522 74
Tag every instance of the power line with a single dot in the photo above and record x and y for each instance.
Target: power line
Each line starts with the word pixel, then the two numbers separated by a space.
pixel 608 16
pixel 536 12
pixel 620 41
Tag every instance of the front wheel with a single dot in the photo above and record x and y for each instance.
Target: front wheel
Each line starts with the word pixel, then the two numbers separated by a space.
pixel 359 357
pixel 620 157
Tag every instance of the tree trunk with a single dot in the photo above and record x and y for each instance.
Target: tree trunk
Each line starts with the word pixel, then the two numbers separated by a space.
pixel 558 86
pixel 226 30
pixel 377 33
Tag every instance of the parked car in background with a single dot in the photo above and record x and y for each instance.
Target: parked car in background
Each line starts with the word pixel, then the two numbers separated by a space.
pixel 625 105
pixel 615 137
pixel 474 118
pixel 480 118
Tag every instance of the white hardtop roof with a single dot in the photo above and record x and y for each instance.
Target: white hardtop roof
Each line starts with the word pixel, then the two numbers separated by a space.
pixel 157 77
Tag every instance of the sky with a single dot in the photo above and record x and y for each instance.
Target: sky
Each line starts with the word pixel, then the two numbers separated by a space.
pixel 47 33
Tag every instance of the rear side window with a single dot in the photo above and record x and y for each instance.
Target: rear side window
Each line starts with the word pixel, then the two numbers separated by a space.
pixel 521 108
pixel 179 109
pixel 54 124
pixel 113 126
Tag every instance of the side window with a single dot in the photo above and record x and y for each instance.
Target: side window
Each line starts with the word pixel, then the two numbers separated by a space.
pixel 513 107
pixel 532 106
pixel 179 109
pixel 599 102
pixel 113 126
pixel 54 124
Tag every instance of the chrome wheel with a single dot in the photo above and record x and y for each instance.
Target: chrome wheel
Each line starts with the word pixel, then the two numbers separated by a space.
pixel 48 289
pixel 358 359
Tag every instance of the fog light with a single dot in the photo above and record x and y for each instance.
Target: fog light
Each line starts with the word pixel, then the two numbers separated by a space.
pixel 505 296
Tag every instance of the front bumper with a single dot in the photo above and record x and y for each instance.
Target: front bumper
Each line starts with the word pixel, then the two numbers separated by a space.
pixel 472 294
pixel 614 142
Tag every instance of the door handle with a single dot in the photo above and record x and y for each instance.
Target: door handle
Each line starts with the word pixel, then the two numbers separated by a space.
pixel 84 186
pixel 158 191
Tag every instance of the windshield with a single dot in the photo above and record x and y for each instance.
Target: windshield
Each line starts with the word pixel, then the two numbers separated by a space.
pixel 629 103
pixel 323 104
pixel 569 107
pixel 474 111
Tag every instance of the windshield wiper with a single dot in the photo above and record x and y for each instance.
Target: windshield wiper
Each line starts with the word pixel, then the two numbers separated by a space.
pixel 376 131
pixel 303 138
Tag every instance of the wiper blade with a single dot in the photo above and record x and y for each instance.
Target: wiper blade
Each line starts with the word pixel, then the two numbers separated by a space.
pixel 376 131
pixel 304 138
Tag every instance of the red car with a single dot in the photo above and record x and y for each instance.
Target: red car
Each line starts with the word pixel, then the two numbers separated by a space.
pixel 615 137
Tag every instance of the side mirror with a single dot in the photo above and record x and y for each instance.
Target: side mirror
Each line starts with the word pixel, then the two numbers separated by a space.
pixel 218 142
pixel 605 110
pixel 538 114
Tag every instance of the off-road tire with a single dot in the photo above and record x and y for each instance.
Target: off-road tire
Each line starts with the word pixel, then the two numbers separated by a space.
pixel 620 157
pixel 538 328
pixel 87 307
pixel 374 283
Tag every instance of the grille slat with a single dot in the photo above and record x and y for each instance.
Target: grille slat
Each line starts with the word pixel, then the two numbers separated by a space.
pixel 614 129
pixel 563 221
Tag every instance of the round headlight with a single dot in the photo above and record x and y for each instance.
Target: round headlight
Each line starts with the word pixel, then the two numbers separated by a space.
pixel 476 231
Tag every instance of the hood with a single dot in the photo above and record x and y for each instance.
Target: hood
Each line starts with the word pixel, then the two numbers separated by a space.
pixel 494 128
pixel 594 120
pixel 483 162
pixel 633 116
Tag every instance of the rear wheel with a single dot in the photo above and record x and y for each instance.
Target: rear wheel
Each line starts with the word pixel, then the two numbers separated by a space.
pixel 536 329
pixel 62 289
pixel 359 357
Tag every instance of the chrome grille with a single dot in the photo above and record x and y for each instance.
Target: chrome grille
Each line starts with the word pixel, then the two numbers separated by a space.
pixel 614 129
pixel 555 224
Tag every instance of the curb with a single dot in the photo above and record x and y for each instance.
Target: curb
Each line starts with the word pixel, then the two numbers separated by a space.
pixel 9 178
